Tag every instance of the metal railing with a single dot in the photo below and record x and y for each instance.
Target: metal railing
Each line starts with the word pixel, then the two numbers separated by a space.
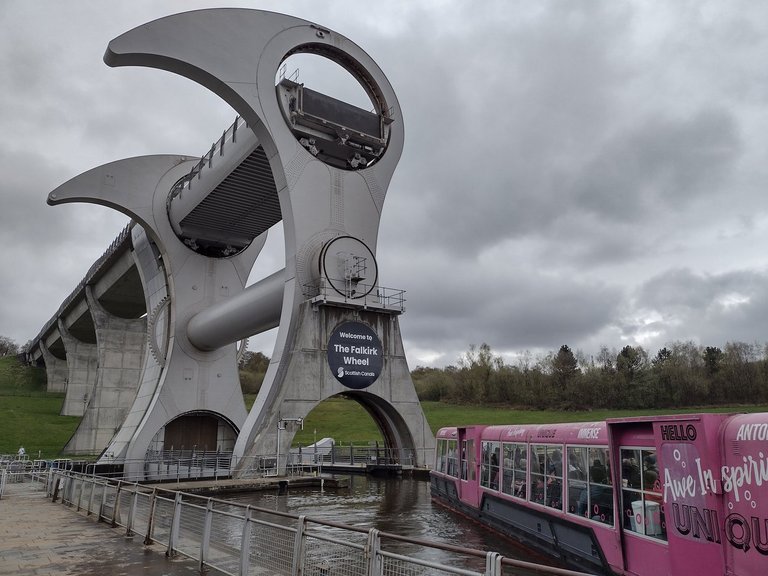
pixel 370 296
pixel 217 148
pixel 372 455
pixel 178 464
pixel 16 470
pixel 237 539
pixel 169 465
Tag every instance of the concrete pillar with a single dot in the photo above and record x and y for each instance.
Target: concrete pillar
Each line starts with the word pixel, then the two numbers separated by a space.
pixel 56 370
pixel 120 347
pixel 82 364
pixel 153 280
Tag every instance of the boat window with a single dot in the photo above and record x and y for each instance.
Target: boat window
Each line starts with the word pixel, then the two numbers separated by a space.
pixel 468 461
pixel 441 455
pixel 578 493
pixel 472 460
pixel 641 495
pixel 600 486
pixel 451 460
pixel 489 466
pixel 546 462
pixel 536 462
pixel 554 485
pixel 514 467
pixel 589 483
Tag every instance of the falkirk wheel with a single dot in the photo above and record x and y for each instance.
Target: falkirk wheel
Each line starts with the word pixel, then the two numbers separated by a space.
pixel 319 165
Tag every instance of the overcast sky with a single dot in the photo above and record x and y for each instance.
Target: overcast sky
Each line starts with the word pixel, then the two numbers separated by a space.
pixel 577 172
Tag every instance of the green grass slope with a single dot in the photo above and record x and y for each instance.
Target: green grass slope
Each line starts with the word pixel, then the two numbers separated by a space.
pixel 29 416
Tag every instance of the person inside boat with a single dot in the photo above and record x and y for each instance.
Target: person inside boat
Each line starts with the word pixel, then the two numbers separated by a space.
pixel 575 467
pixel 495 470
pixel 600 494
pixel 520 487
pixel 555 480
pixel 537 470
pixel 577 480
pixel 630 473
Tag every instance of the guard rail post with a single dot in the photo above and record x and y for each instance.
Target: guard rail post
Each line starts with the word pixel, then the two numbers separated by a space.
pixel 56 488
pixel 205 540
pixel 173 537
pixel 116 507
pixel 80 495
pixel 493 564
pixel 245 543
pixel 69 488
pixel 297 567
pixel 150 516
pixel 103 505
pixel 90 498
pixel 132 512
pixel 49 482
pixel 373 547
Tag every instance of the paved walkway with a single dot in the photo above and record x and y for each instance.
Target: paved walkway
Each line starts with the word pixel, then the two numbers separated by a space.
pixel 38 537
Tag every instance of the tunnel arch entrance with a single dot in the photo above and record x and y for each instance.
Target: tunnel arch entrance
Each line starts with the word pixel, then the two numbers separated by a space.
pixel 196 430
pixel 195 444
pixel 397 439
pixel 385 432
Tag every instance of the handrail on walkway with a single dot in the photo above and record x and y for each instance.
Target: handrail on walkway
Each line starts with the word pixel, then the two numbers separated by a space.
pixel 237 539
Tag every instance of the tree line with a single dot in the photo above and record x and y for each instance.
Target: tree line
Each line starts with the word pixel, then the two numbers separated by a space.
pixel 252 368
pixel 681 374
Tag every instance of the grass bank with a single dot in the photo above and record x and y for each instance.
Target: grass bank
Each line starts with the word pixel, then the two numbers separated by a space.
pixel 346 421
pixel 34 422
pixel 29 416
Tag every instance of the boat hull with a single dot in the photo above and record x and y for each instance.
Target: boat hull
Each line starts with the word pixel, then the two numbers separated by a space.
pixel 567 543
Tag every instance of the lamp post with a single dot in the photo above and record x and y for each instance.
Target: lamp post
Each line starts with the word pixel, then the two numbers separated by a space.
pixel 281 425
pixel 315 445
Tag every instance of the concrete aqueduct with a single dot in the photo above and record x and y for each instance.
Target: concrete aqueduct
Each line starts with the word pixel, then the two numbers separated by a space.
pixel 146 346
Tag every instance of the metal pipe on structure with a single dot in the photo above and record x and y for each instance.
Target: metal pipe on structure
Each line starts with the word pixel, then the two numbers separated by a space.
pixel 256 309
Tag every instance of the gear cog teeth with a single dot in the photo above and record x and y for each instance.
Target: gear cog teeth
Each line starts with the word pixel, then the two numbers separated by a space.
pixel 241 349
pixel 157 349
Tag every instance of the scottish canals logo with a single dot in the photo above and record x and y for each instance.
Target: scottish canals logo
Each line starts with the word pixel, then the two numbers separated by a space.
pixel 355 355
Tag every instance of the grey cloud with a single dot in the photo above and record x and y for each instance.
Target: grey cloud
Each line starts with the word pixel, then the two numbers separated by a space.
pixel 684 289
pixel 660 164
pixel 534 95
pixel 711 309
pixel 463 302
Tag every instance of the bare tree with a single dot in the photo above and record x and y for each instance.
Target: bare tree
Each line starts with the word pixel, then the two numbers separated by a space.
pixel 8 347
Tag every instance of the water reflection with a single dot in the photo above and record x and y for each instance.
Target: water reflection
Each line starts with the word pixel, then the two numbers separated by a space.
pixel 398 506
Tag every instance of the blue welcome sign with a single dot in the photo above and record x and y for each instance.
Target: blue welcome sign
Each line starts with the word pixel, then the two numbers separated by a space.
pixel 355 355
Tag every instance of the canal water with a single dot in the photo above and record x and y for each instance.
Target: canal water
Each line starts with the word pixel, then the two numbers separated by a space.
pixel 396 505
